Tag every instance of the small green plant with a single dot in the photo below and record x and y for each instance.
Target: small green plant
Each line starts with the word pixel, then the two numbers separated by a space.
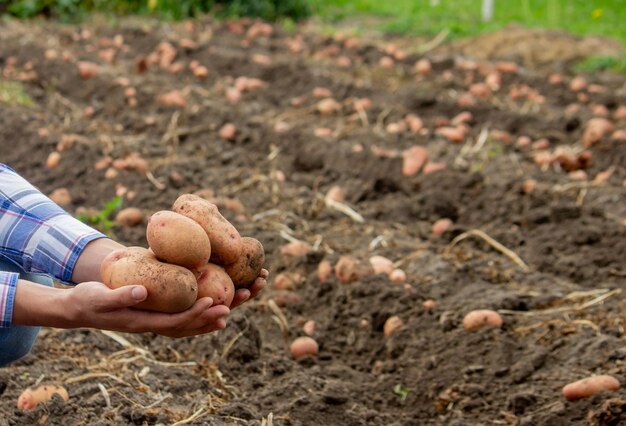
pixel 401 391
pixel 13 93
pixel 101 220
pixel 494 150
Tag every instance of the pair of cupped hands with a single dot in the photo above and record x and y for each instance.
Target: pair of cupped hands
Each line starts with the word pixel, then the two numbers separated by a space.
pixel 98 306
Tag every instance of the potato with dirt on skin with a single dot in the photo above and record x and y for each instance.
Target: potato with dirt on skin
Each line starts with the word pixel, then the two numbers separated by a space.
pixel 225 239
pixel 174 238
pixel 171 288
pixel 214 282
pixel 248 266
pixel 32 397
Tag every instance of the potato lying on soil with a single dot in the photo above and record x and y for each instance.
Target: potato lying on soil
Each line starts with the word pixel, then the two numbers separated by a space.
pixel 171 288
pixel 31 397
pixel 214 282
pixel 295 248
pixel 590 386
pixel 482 318
pixel 303 346
pixel 248 266
pixel 130 216
pixel 381 265
pixel 392 324
pixel 349 269
pixel 324 270
pixel 225 240
pixel 176 239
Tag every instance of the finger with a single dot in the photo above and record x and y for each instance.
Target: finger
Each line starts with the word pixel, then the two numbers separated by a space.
pixel 191 318
pixel 220 324
pixel 211 321
pixel 264 273
pixel 207 317
pixel 258 285
pixel 120 298
pixel 138 321
pixel 241 296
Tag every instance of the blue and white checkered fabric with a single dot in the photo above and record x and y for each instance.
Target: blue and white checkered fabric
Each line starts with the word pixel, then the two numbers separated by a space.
pixel 36 235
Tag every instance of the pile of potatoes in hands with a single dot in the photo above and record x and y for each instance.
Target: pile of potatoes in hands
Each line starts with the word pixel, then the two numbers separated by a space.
pixel 194 252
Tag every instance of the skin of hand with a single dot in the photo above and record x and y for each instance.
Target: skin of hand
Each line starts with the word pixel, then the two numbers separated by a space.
pixel 92 304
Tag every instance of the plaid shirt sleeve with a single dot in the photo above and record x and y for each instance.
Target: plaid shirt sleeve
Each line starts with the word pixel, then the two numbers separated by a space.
pixel 36 235
pixel 8 281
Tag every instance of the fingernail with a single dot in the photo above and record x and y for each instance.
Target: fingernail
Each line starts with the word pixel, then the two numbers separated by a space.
pixel 138 293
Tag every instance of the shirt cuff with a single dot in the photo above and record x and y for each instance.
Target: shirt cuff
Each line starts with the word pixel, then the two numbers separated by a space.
pixel 59 246
pixel 8 283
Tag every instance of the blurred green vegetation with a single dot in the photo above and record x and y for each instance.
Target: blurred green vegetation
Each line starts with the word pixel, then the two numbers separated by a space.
pixel 102 220
pixel 13 93
pixel 417 17
pixel 463 17
pixel 75 10
pixel 602 63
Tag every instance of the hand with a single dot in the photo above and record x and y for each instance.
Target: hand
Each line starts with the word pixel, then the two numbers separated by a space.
pixel 93 304
pixel 243 294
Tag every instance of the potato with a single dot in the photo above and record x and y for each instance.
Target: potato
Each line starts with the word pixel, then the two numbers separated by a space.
pixel 349 269
pixel 429 304
pixel 397 276
pixel 590 386
pixel 215 283
pixel 176 239
pixel 381 265
pixel 225 240
pixel 287 280
pixel 324 270
pixel 303 346
pixel 295 248
pixel 413 159
pixel 130 216
pixel 171 288
pixel 309 327
pixel 30 398
pixel 113 257
pixel 596 129
pixel 248 267
pixel 441 226
pixel 392 324
pixel 285 298
pixel 482 318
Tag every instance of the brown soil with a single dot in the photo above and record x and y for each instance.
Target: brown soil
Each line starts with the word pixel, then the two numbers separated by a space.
pixel 563 318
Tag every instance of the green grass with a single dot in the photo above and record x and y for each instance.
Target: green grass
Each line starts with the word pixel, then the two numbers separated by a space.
pixel 463 17
pixel 602 63
pixel 13 93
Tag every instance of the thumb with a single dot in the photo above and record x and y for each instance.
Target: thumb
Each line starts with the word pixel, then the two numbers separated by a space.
pixel 126 297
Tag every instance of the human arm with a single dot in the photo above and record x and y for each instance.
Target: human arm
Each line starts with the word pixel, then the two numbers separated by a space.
pixel 39 236
pixel 94 305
